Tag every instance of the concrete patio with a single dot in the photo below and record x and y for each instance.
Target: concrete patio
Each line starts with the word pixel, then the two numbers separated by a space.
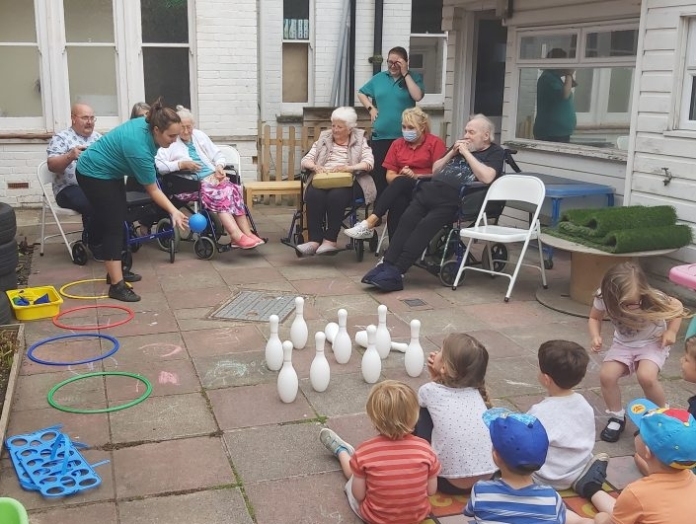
pixel 214 443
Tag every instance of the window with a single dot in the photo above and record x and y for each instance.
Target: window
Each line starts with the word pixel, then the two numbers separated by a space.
pixel 687 112
pixel 100 52
pixel 576 85
pixel 296 51
pixel 428 48
pixel 20 97
pixel 166 67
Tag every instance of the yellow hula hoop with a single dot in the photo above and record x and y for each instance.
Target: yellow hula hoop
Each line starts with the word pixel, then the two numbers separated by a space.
pixel 79 297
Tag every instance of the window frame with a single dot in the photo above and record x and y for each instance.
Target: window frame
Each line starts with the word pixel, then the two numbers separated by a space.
pixel 685 72
pixel 580 60
pixel 297 108
pixel 434 99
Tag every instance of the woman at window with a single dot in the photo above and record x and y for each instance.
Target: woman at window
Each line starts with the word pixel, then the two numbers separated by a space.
pixel 194 151
pixel 342 148
pixel 385 96
pixel 128 149
pixel 140 109
pixel 409 158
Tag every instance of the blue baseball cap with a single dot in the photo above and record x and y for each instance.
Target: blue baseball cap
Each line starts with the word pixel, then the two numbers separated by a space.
pixel 669 433
pixel 518 438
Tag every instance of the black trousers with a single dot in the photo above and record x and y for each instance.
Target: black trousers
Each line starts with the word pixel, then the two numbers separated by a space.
pixel 330 204
pixel 108 199
pixel 395 200
pixel 72 197
pixel 424 430
pixel 434 205
pixel 379 173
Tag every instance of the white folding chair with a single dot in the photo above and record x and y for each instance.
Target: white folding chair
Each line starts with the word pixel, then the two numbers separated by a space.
pixel 520 188
pixel 48 202
pixel 232 158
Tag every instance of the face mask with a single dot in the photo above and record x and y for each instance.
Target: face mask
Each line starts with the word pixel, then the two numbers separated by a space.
pixel 410 135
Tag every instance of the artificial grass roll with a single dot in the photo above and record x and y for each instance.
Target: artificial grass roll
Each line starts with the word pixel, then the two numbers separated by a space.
pixel 597 223
pixel 633 240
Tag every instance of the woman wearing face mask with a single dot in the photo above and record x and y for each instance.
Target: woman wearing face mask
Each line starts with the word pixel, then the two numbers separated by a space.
pixel 385 96
pixel 409 158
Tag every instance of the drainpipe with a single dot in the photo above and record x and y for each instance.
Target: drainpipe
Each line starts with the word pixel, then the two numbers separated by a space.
pixel 351 56
pixel 376 59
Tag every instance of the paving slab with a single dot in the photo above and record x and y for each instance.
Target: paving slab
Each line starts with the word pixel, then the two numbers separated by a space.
pixel 200 297
pixel 159 348
pixel 622 471
pixel 224 340
pixel 102 512
pixel 31 392
pixel 277 452
pixel 237 369
pixel 512 377
pixel 92 430
pixel 437 322
pixel 345 395
pixel 160 418
pixel 220 506
pixel 338 285
pixel 259 405
pixel 354 429
pixel 314 498
pixel 174 377
pixel 148 469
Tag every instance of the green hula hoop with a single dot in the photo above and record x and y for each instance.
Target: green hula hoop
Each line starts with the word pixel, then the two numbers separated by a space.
pixel 53 403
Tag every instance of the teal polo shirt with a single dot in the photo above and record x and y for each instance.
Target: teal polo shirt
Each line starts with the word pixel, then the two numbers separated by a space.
pixel 390 96
pixel 555 114
pixel 128 149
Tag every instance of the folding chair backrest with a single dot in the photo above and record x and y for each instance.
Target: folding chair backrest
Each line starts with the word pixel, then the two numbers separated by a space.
pixel 46 182
pixel 521 188
pixel 45 176
pixel 232 158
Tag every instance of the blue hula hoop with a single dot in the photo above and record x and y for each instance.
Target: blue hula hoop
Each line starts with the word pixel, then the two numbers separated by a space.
pixel 35 346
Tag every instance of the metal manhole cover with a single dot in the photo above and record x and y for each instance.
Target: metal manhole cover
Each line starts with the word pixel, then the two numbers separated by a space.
pixel 255 306
pixel 414 302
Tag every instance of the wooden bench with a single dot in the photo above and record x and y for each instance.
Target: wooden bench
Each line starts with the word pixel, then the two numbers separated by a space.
pixel 270 187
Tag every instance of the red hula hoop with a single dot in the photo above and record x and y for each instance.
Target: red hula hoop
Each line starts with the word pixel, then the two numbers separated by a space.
pixel 59 324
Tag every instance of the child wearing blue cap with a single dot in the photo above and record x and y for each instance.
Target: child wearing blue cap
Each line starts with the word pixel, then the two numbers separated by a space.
pixel 520 445
pixel 666 441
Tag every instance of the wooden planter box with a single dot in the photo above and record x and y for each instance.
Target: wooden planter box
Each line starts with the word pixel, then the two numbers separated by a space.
pixel 12 381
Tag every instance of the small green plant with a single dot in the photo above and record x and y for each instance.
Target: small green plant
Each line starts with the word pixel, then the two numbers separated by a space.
pixel 8 338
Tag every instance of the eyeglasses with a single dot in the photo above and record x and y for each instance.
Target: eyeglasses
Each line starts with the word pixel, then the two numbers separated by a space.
pixel 88 118
pixel 392 64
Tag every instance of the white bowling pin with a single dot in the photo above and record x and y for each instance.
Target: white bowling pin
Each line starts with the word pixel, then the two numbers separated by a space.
pixel 319 372
pixel 415 358
pixel 287 378
pixel 330 331
pixel 298 330
pixel 399 346
pixel 274 347
pixel 371 364
pixel 361 338
pixel 342 345
pixel 382 337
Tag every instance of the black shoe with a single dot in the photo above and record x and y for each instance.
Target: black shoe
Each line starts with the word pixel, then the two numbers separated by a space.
pixel 372 273
pixel 123 292
pixel 610 434
pixel 389 279
pixel 592 477
pixel 128 276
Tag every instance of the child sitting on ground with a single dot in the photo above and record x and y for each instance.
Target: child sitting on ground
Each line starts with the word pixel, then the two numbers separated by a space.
pixel 666 441
pixel 520 444
pixel 451 409
pixel 569 422
pixel 390 476
pixel 646 322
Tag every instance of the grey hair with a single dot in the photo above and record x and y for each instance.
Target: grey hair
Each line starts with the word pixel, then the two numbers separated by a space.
pixel 184 112
pixel 488 123
pixel 139 109
pixel 345 114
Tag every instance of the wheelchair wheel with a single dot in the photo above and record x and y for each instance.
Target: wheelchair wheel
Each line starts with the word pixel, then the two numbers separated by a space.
pixel 499 254
pixel 204 248
pixel 126 260
pixel 164 242
pixel 448 272
pixel 172 250
pixel 359 247
pixel 374 240
pixel 79 254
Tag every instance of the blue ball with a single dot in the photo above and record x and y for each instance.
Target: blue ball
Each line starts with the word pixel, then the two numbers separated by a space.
pixel 197 223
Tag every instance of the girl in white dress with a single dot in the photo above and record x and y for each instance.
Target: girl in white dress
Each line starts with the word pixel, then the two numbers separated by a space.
pixel 452 406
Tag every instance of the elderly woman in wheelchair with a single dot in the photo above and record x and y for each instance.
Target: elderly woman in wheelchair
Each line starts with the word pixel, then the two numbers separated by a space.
pixel 339 162
pixel 409 159
pixel 195 152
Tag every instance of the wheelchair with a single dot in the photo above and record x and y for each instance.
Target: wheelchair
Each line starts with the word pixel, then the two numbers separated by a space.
pixel 207 242
pixel 140 209
pixel 445 251
pixel 297 227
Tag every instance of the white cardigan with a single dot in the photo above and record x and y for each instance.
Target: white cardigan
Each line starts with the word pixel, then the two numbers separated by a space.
pixel 167 159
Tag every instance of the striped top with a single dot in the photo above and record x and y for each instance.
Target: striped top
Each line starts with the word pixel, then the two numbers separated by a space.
pixel 495 502
pixel 396 476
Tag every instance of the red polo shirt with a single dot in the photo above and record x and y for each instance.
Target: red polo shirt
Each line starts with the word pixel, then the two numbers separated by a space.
pixel 420 159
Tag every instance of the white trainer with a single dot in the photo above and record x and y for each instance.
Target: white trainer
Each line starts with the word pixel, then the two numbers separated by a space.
pixel 360 231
